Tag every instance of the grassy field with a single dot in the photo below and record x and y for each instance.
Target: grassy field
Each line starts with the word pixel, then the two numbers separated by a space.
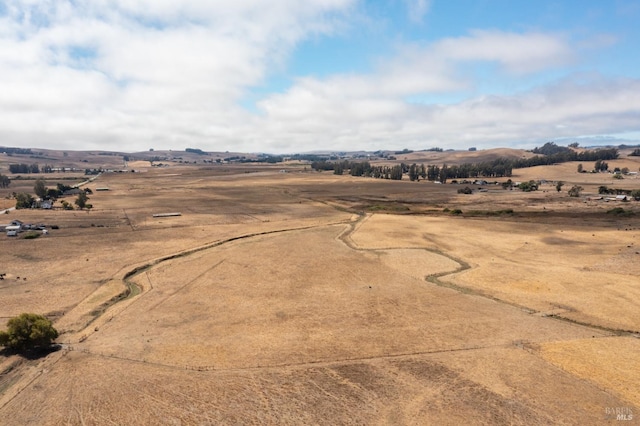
pixel 311 298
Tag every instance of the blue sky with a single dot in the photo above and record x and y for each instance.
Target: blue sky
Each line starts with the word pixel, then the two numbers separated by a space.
pixel 291 76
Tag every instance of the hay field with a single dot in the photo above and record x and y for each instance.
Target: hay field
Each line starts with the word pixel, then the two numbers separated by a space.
pixel 608 362
pixel 275 299
pixel 578 272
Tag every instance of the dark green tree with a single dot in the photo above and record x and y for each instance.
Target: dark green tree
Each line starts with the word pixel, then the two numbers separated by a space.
pixel 413 172
pixel 39 188
pixel 82 199
pixel 508 184
pixel 575 191
pixel 442 176
pixel 28 331
pixel 559 185
pixel 528 186
pixel 4 181
pixel 396 172
pixel 24 201
pixel 52 193
pixel 601 166
pixel 580 168
pixel 604 190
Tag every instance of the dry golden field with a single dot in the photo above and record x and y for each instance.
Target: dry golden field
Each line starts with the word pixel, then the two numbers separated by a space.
pixel 309 298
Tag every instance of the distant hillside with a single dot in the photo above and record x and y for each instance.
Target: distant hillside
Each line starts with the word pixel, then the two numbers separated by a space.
pixel 461 157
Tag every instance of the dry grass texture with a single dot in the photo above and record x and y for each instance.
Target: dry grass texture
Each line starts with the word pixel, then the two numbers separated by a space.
pixel 274 300
pixel 588 275
pixel 611 363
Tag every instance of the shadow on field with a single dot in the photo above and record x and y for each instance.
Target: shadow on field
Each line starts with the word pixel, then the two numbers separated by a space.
pixel 31 354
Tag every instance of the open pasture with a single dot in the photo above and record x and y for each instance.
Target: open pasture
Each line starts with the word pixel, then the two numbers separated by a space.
pixel 306 297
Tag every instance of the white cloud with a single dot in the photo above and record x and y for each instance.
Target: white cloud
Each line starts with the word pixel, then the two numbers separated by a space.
pixel 375 101
pixel 352 117
pixel 518 53
pixel 417 9
pixel 136 74
pixel 141 72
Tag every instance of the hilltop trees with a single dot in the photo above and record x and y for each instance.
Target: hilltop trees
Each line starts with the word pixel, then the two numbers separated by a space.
pixel 28 331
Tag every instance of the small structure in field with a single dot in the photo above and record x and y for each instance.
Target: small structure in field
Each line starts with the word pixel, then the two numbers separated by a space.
pixel 167 214
pixel 102 189
pixel 14 228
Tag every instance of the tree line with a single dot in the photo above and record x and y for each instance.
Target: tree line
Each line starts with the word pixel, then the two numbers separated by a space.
pixel 500 167
pixel 361 168
pixel 496 168
pixel 554 154
pixel 30 168
pixel 17 151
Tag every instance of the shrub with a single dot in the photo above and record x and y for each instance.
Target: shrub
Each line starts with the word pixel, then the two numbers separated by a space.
pixel 528 186
pixel 465 190
pixel 604 190
pixel 619 211
pixel 575 191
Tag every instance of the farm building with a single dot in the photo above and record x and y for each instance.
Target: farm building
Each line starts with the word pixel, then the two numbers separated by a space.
pixel 46 204
pixel 12 230
pixel 17 223
pixel 167 214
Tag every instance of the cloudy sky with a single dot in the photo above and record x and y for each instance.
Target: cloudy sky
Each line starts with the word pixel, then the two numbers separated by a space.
pixel 283 76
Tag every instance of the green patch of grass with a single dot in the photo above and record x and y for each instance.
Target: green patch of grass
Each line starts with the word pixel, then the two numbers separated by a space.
pixel 387 208
pixel 619 211
pixel 31 235
pixel 491 212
